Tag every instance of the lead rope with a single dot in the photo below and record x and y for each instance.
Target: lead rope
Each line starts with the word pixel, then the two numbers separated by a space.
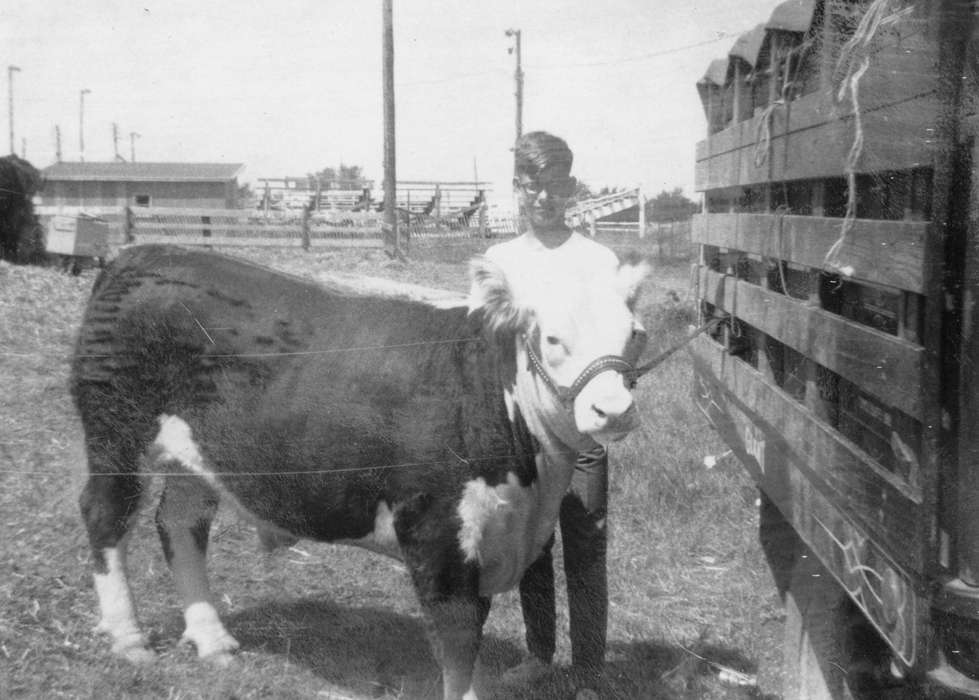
pixel 634 374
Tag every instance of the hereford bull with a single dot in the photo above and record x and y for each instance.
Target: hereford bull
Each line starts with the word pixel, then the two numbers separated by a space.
pixel 445 435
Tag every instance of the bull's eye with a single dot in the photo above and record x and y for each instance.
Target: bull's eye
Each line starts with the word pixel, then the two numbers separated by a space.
pixel 552 340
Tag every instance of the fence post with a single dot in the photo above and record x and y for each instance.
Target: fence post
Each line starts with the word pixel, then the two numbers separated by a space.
pixel 592 223
pixel 482 214
pixel 438 207
pixel 642 213
pixel 305 232
pixel 127 225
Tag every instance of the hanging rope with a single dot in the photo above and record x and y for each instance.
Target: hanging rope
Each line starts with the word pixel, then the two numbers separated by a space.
pixel 763 129
pixel 854 60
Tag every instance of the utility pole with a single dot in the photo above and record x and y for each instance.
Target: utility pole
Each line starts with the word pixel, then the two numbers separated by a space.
pixel 132 146
pixel 392 238
pixel 81 123
pixel 115 142
pixel 57 143
pixel 10 99
pixel 518 77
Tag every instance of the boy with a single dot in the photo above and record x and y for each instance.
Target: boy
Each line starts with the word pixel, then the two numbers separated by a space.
pixel 543 187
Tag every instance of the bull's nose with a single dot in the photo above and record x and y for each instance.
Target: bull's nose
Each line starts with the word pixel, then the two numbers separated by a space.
pixel 611 407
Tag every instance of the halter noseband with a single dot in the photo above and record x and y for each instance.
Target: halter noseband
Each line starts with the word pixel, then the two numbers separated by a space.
pixel 567 394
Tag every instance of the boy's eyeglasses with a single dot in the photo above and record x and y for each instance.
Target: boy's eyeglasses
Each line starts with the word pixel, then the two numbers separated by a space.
pixel 555 188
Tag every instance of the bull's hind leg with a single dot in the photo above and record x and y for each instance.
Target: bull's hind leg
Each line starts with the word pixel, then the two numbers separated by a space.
pixel 183 521
pixel 109 503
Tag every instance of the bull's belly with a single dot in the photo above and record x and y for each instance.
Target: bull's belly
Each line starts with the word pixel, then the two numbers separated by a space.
pixel 282 506
pixel 502 527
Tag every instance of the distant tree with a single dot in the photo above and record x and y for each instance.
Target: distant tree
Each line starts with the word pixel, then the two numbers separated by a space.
pixel 245 195
pixel 346 176
pixel 581 193
pixel 671 206
pixel 608 190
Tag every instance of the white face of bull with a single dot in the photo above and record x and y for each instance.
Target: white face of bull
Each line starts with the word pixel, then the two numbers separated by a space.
pixel 567 324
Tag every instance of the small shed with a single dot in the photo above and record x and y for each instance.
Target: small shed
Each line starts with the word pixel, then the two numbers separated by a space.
pixel 119 184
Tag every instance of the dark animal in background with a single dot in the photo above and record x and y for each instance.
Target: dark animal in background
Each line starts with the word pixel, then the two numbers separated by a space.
pixel 444 435
pixel 21 234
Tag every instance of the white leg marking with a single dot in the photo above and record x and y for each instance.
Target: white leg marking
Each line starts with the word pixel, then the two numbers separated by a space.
pixel 118 609
pixel 205 630
pixel 470 694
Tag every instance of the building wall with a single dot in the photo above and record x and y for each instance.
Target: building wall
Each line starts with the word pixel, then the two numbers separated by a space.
pixel 214 195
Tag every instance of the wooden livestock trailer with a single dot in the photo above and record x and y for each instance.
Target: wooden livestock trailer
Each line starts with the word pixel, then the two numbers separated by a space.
pixel 839 243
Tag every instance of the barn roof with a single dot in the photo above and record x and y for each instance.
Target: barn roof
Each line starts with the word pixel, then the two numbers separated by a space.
pixel 792 16
pixel 748 45
pixel 144 172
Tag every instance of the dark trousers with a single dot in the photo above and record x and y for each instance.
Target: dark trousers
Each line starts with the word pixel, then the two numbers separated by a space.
pixel 585 543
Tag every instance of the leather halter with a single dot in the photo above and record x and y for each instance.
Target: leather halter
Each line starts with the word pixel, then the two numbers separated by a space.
pixel 630 373
pixel 567 394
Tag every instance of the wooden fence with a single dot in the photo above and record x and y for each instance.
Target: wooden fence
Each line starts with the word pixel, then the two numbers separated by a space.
pixel 340 229
pixel 251 227
pixel 667 240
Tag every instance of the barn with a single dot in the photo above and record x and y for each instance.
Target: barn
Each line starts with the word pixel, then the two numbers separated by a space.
pixel 119 184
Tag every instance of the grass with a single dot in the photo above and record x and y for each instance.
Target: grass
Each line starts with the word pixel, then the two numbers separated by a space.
pixel 689 589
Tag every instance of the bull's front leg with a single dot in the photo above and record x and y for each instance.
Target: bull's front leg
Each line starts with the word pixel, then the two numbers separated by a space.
pixel 455 628
pixel 448 590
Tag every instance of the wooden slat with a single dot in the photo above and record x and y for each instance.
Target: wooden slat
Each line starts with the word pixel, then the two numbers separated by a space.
pixel 820 516
pixel 260 241
pixel 811 141
pixel 882 504
pixel 889 253
pixel 883 365
pixel 91 210
pixel 271 229
pixel 146 212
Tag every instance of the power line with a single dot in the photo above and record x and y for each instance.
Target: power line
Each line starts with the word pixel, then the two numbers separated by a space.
pixel 641 57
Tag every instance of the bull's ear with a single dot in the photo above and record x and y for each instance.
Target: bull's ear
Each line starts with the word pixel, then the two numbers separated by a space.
pixel 492 293
pixel 630 277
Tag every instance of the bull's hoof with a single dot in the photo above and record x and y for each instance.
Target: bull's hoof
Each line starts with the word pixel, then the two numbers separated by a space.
pixel 135 650
pixel 128 646
pixel 137 655
pixel 218 648
pixel 221 659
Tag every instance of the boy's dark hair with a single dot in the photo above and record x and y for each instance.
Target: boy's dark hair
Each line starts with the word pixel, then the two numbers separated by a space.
pixel 538 150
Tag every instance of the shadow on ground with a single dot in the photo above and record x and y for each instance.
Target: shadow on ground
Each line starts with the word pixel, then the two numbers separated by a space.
pixel 374 652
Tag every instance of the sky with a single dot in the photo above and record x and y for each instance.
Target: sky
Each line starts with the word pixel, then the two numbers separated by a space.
pixel 291 87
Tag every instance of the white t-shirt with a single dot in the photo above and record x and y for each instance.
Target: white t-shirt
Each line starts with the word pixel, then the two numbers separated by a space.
pixel 525 260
